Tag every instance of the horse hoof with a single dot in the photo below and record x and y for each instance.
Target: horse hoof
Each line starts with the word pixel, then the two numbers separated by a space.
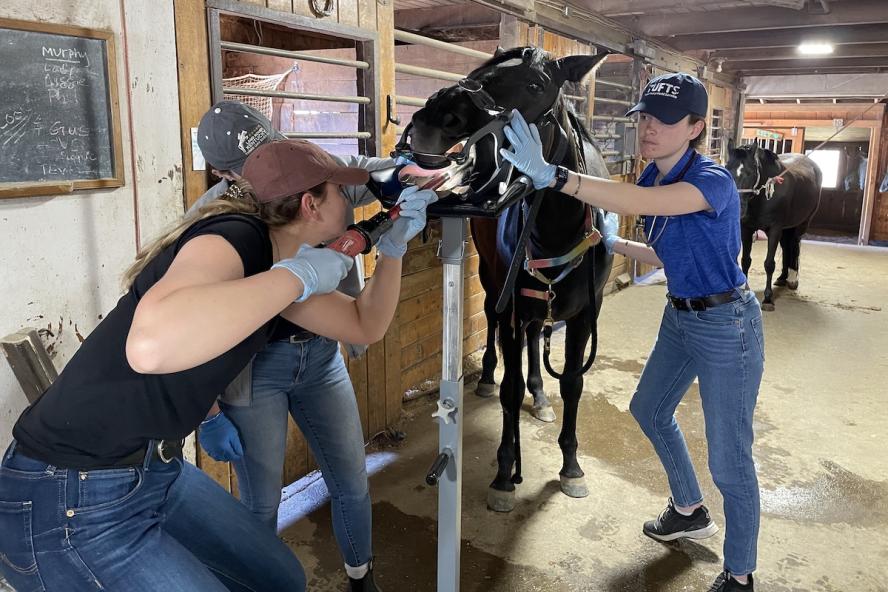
pixel 792 285
pixel 500 501
pixel 544 413
pixel 769 306
pixel 574 486
pixel 780 282
pixel 485 390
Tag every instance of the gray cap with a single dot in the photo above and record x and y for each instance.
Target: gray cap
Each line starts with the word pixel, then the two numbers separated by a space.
pixel 230 131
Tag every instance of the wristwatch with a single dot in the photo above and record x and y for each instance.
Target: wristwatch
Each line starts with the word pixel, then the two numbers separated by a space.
pixel 560 177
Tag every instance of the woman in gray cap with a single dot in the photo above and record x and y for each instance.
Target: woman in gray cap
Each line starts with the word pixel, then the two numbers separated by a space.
pixel 299 373
pixel 711 328
pixel 94 491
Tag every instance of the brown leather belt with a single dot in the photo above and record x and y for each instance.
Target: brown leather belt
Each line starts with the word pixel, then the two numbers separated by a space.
pixel 704 302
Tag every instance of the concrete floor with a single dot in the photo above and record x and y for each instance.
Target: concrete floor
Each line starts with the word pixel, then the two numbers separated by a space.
pixel 820 448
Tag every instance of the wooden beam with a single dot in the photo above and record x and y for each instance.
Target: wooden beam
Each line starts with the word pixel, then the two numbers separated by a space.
pixel 872 182
pixel 875 33
pixel 863 50
pixel 194 86
pixel 809 65
pixel 30 363
pixel 750 18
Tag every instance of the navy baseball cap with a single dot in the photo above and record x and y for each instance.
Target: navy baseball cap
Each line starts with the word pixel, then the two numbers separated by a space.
pixel 230 131
pixel 670 97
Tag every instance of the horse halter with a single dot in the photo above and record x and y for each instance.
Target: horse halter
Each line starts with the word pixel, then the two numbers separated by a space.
pixel 769 186
pixel 483 101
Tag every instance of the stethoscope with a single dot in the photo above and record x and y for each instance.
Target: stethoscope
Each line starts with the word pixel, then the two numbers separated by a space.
pixel 680 176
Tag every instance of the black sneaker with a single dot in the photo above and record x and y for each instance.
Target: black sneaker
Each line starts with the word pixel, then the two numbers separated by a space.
pixel 725 583
pixel 365 584
pixel 671 525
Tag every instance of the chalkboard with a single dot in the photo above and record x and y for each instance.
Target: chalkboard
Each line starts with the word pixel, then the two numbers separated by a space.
pixel 58 109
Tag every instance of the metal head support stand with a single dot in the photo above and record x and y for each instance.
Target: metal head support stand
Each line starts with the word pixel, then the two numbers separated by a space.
pixel 446 472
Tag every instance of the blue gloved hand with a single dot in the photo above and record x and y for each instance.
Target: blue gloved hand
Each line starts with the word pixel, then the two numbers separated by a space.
pixel 218 436
pixel 319 269
pixel 609 229
pixel 527 151
pixel 413 202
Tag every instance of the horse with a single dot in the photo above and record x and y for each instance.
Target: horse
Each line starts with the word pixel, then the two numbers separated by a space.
pixel 780 195
pixel 527 79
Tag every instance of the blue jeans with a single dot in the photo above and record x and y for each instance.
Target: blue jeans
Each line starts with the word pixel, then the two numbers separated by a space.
pixel 158 526
pixel 723 347
pixel 309 379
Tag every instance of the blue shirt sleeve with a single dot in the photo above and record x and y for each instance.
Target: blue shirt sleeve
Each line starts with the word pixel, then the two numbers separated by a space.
pixel 716 185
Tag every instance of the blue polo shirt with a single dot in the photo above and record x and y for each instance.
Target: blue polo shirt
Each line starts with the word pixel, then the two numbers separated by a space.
pixel 699 251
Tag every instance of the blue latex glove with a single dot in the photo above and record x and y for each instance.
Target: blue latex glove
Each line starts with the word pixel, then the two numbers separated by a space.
pixel 218 436
pixel 609 229
pixel 319 269
pixel 413 202
pixel 527 151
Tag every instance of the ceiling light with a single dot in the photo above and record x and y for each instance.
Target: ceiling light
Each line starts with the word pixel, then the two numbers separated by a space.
pixel 815 48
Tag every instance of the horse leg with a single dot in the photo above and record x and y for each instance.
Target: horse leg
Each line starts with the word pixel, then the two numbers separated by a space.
pixel 786 247
pixel 747 234
pixel 542 409
pixel 501 493
pixel 774 235
pixel 573 482
pixel 486 384
pixel 792 280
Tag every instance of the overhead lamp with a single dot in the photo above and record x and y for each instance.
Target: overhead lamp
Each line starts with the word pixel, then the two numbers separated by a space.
pixel 815 48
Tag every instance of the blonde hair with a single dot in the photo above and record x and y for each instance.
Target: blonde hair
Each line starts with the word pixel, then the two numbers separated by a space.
pixel 238 199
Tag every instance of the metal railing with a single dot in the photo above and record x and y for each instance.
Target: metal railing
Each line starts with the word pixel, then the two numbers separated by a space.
pixel 283 94
pixel 296 55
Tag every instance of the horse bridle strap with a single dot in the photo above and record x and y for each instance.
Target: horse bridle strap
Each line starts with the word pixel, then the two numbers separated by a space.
pixel 518 255
pixel 571 259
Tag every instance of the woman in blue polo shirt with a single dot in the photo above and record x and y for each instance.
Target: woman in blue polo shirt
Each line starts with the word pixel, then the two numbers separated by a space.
pixel 712 324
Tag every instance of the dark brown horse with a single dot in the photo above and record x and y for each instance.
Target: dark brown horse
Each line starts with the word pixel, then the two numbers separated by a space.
pixel 526 79
pixel 780 195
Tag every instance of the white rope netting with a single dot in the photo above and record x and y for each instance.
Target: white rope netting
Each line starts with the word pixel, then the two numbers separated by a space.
pixel 256 82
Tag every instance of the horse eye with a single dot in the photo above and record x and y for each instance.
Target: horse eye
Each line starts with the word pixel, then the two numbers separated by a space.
pixel 535 87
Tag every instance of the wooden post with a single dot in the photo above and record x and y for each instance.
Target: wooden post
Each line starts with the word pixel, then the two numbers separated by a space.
pixel 30 363
pixel 194 85
pixel 871 185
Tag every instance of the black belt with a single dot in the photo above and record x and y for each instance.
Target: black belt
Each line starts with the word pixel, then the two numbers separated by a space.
pixel 165 451
pixel 704 302
pixel 300 337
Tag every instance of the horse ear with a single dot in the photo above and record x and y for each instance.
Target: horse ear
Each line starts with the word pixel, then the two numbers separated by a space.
pixel 499 51
pixel 770 163
pixel 574 68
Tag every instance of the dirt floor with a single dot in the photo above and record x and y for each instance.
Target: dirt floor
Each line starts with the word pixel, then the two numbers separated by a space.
pixel 821 426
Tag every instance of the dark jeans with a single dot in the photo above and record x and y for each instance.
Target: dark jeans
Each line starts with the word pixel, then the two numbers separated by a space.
pixel 158 526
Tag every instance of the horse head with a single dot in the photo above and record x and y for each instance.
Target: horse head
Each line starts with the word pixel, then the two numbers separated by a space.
pixel 751 166
pixel 523 78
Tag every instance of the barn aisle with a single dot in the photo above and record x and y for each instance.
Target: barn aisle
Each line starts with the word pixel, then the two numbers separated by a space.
pixel 820 451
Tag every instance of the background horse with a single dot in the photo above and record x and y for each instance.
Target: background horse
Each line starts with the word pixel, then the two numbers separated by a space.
pixel 782 208
pixel 526 79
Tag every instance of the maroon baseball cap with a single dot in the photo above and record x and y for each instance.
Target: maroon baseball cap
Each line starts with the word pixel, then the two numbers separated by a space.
pixel 290 167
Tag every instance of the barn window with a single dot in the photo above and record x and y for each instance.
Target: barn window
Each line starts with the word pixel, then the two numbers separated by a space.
pixel 316 84
pixel 828 161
